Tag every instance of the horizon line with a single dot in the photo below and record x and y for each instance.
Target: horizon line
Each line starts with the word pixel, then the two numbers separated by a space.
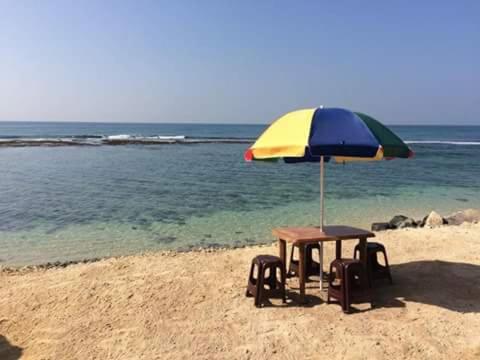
pixel 191 123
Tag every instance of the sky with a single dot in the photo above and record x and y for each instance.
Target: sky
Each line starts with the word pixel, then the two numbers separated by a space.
pixel 238 61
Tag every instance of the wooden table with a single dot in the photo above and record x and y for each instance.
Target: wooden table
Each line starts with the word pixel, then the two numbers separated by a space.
pixel 302 236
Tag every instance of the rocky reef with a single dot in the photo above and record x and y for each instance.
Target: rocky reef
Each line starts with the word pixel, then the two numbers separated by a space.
pixel 431 220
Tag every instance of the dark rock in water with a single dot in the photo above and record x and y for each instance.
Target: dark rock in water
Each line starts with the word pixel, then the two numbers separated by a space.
pixel 134 228
pixel 462 199
pixel 380 226
pixel 238 232
pixel 401 221
pixel 208 236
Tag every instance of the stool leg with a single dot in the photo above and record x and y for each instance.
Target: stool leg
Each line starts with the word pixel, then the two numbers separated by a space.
pixel 308 263
pixel 250 280
pixel 283 277
pixel 364 284
pixel 259 287
pixel 369 270
pixel 388 267
pixel 369 291
pixel 289 273
pixel 330 281
pixel 346 288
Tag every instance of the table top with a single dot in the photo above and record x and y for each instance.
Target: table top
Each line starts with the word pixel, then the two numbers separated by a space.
pixel 313 234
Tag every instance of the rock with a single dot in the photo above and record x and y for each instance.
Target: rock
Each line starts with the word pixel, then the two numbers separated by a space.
pixel 459 217
pixel 421 223
pixel 401 221
pixel 434 219
pixel 380 226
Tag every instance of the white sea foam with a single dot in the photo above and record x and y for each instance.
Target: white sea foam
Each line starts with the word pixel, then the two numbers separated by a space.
pixel 177 137
pixel 139 137
pixel 120 137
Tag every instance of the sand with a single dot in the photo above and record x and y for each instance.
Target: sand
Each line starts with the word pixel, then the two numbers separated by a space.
pixel 193 306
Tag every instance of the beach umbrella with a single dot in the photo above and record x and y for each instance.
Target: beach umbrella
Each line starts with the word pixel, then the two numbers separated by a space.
pixel 322 134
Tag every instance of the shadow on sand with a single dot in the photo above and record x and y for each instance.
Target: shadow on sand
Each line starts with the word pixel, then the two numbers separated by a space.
pixel 450 285
pixel 9 351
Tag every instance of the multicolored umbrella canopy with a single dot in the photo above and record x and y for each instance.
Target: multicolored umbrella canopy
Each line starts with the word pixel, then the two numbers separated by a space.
pixel 307 135
pixel 317 135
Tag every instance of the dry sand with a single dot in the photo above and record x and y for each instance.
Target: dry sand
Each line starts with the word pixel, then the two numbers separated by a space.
pixel 193 306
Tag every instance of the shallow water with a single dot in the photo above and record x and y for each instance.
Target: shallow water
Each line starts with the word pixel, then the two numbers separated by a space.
pixel 67 203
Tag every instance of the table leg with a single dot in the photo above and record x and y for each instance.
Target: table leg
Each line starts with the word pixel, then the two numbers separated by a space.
pixel 282 246
pixel 338 249
pixel 301 271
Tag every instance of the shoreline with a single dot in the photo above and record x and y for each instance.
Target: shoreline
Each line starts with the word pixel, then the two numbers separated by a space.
pixel 398 222
pixel 20 269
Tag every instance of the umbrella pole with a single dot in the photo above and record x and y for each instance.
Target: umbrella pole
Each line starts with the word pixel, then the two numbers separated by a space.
pixel 322 208
pixel 321 219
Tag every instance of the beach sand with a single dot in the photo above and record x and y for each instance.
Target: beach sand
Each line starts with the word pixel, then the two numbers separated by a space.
pixel 192 306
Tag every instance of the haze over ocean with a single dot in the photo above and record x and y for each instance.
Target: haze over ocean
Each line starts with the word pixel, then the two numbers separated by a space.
pixel 76 202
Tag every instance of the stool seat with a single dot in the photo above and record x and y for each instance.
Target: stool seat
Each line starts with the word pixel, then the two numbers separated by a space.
pixel 375 270
pixel 266 259
pixel 256 286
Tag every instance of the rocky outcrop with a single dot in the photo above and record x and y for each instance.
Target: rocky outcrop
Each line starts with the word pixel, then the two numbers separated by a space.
pixel 459 217
pixel 401 221
pixel 431 220
pixel 434 219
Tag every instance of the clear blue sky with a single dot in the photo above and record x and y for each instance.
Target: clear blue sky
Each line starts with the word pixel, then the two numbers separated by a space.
pixel 240 62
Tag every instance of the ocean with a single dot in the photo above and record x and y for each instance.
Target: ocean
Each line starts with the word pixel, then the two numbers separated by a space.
pixel 96 190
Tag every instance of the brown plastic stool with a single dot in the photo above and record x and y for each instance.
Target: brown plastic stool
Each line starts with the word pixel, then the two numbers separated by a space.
pixel 256 286
pixel 348 283
pixel 374 269
pixel 311 266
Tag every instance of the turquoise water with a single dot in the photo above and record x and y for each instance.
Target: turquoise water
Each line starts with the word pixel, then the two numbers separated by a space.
pixel 76 202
